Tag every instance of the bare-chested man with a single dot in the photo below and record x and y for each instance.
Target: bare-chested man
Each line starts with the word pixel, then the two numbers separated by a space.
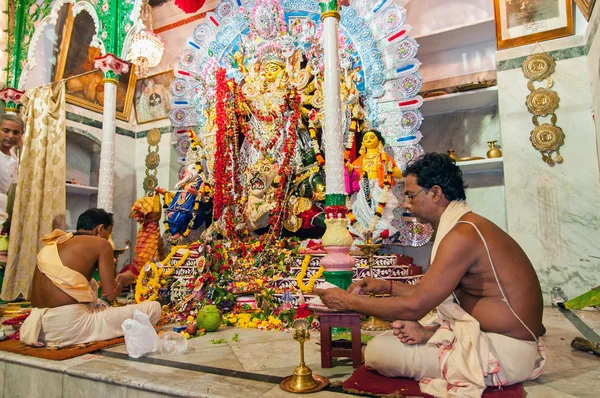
pixel 489 297
pixel 66 306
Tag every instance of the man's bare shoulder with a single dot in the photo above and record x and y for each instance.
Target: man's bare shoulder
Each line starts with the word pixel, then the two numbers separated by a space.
pixel 457 246
pixel 93 243
pixel 463 234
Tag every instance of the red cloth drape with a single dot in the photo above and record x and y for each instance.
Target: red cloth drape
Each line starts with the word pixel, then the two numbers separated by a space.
pixel 189 6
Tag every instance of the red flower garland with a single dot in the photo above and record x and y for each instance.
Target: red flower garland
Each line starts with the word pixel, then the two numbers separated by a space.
pixel 221 182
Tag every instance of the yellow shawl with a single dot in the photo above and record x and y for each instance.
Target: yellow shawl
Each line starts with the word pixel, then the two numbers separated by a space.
pixel 69 281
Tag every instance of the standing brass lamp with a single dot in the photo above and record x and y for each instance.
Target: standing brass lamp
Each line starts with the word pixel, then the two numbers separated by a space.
pixel 303 380
pixel 370 249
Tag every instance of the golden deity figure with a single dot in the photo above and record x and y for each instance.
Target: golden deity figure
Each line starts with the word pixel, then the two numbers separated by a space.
pixel 373 205
pixel 260 197
pixel 266 82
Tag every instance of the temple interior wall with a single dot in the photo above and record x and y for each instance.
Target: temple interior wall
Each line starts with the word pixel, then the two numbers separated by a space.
pixel 550 211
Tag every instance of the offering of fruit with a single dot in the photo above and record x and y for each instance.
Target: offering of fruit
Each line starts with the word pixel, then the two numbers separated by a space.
pixel 192 330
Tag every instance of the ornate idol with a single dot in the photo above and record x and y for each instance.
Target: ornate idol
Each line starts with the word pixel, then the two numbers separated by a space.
pixel 373 205
pixel 187 208
pixel 250 83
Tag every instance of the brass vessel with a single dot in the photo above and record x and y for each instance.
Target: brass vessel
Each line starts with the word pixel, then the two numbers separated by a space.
pixel 494 151
pixel 372 323
pixel 452 154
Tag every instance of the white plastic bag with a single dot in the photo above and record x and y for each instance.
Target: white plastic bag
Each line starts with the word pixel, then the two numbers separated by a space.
pixel 140 336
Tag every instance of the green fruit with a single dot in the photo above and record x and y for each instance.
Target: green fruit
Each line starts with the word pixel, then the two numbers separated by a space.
pixel 209 318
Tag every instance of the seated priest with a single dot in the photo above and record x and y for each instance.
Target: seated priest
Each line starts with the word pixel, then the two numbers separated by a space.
pixel 66 308
pixel 486 329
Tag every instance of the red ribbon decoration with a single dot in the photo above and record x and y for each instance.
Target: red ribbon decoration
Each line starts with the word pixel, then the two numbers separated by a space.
pixel 189 6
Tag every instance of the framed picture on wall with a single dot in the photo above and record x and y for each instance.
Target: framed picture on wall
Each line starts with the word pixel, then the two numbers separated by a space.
pixel 153 97
pixel 521 22
pixel 87 91
pixel 75 63
pixel 586 7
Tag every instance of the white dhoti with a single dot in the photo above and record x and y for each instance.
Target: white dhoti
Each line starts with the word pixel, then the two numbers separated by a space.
pixel 459 360
pixel 90 320
pixel 81 323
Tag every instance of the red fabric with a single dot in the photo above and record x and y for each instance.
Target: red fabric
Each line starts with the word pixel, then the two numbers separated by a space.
pixel 17 321
pixel 132 268
pixel 365 382
pixel 401 259
pixel 308 215
pixel 189 6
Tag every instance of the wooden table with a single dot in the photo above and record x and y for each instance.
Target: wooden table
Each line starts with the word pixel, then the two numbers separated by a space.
pixel 341 320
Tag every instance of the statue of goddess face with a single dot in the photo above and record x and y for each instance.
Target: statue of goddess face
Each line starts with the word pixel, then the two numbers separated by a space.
pixel 370 140
pixel 272 70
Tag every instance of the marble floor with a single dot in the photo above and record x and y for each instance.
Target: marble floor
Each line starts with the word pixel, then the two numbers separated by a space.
pixel 233 368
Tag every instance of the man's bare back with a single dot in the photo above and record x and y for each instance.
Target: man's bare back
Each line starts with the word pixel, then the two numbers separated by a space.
pixel 81 254
pixel 478 290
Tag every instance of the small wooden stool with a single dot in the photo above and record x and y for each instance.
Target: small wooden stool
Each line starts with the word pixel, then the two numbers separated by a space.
pixel 343 320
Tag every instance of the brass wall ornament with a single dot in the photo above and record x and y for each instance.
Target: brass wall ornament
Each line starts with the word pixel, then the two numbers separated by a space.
pixel 539 67
pixel 541 102
pixel 152 161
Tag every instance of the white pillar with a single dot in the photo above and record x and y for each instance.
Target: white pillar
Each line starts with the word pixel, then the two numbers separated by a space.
pixel 107 176
pixel 334 137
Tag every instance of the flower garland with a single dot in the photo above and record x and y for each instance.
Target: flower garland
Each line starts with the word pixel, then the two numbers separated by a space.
pixel 289 147
pixel 178 263
pixel 152 285
pixel 220 168
pixel 315 144
pixel 227 184
pixel 313 279
pixel 155 282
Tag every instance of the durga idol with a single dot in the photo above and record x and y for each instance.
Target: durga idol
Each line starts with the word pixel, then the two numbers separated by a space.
pixel 373 205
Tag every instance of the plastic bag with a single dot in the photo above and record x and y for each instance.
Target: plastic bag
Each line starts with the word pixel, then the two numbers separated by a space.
pixel 172 344
pixel 140 336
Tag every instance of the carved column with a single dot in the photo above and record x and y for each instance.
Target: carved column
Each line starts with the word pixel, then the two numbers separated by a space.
pixel 111 67
pixel 337 240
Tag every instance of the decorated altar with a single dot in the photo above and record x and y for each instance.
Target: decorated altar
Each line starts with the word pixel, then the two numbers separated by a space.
pixel 251 131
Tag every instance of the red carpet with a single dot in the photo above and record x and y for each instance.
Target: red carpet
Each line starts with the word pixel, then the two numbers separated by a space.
pixel 365 382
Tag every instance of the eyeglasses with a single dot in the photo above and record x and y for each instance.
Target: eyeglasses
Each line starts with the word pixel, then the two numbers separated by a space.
pixel 413 195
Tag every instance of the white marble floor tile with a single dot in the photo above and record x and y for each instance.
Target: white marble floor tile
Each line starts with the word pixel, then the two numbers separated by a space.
pixel 135 393
pixel 28 382
pixel 277 392
pixel 2 372
pixel 117 371
pixel 80 387
pixel 197 384
pixel 276 354
pixel 535 390
pixel 582 383
pixel 219 356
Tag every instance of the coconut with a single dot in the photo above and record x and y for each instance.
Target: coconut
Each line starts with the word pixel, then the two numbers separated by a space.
pixel 209 318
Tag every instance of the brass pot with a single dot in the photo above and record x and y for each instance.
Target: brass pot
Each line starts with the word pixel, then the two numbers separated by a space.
pixel 493 152
pixel 452 154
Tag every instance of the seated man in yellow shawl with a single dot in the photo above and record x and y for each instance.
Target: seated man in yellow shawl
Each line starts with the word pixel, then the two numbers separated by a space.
pixel 488 297
pixel 65 296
